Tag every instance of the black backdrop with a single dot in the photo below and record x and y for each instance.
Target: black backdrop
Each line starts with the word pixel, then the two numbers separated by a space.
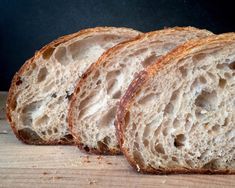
pixel 27 25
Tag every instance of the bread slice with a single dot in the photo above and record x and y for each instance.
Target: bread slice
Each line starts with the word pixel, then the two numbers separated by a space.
pixel 93 106
pixel 178 115
pixel 40 92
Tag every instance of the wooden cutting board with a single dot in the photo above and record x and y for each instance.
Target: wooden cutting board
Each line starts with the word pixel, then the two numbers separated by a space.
pixel 65 166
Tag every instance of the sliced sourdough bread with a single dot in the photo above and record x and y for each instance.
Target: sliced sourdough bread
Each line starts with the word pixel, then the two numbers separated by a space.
pixel 178 115
pixel 40 92
pixel 93 105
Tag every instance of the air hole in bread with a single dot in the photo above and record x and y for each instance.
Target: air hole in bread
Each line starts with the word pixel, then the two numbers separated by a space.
pixel 183 71
pixel 49 132
pixel 13 103
pixel 212 164
pixel 138 157
pixel 206 100
pixel 112 74
pixel 42 74
pixel 102 146
pixel 48 86
pixel 96 75
pixel 199 57
pixel 175 159
pixel 148 98
pixel 147 130
pixel 117 95
pixel 98 82
pixel 232 65
pixel 149 60
pixel 221 66
pixel 167 129
pixel 176 123
pixel 179 140
pixel 227 75
pixel 26 119
pixel 42 121
pixel 159 148
pixel 47 53
pixel 215 128
pixel 111 86
pixel 212 76
pixel 146 143
pixel 27 112
pixel 168 46
pixel 169 108
pixel 226 122
pixel 18 81
pixel 202 80
pixel 61 57
pixel 29 135
pixel 107 140
pixel 86 148
pixel 189 162
pixel 90 98
pixel 127 118
pixel 55 130
pixel 107 119
pixel 222 83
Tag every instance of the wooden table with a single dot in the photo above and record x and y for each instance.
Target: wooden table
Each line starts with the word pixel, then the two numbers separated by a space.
pixel 65 166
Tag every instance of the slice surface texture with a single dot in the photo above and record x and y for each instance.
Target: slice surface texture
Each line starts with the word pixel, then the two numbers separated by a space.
pixel 93 106
pixel 178 115
pixel 40 92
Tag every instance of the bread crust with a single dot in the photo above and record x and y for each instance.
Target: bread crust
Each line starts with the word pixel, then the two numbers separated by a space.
pixel 139 82
pixel 29 63
pixel 105 56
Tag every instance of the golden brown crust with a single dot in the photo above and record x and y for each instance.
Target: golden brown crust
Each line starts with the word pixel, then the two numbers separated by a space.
pixel 138 83
pixel 102 60
pixel 46 50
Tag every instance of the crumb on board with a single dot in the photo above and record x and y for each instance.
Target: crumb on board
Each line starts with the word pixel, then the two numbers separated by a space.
pixel 91 181
pixel 138 168
pixel 86 159
pixel 4 132
pixel 163 181
pixel 99 157
pixel 109 163
pixel 45 173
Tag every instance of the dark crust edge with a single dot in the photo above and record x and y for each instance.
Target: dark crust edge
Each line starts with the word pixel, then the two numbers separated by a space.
pixel 139 82
pixel 27 65
pixel 98 63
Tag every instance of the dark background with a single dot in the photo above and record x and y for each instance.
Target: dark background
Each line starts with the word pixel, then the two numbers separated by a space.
pixel 27 25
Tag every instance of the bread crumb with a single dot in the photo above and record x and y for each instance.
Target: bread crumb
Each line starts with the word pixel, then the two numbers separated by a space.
pixel 86 159
pixel 91 182
pixel 45 173
pixel 4 132
pixel 99 157
pixel 109 163
pixel 163 181
pixel 138 168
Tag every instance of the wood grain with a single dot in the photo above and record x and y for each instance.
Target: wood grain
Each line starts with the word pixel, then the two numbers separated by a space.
pixel 65 166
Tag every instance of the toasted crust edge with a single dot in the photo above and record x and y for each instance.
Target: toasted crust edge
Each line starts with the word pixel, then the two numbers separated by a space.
pixel 29 63
pixel 139 82
pixel 95 65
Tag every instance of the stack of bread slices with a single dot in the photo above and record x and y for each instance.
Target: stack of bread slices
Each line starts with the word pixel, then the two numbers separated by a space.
pixel 165 99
